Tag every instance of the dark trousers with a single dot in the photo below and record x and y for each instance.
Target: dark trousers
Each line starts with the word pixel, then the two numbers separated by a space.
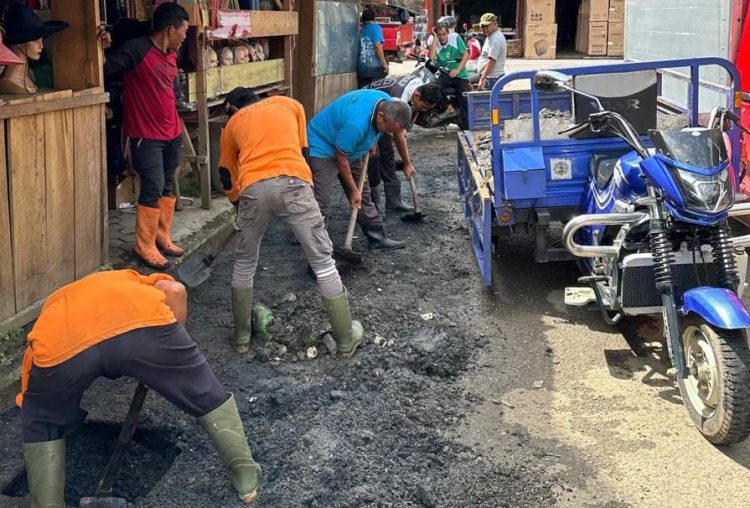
pixel 457 86
pixel 364 81
pixel 164 358
pixel 155 161
pixel 382 167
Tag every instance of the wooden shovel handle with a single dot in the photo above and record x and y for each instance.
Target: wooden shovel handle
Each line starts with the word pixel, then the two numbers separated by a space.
pixel 353 219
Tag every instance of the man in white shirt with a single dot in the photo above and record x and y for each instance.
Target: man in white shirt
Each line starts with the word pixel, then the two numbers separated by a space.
pixel 491 63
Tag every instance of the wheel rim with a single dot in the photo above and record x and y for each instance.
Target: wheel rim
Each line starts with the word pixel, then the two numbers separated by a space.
pixel 702 383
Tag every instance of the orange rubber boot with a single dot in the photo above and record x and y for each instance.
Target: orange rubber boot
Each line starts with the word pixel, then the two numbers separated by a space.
pixel 146 224
pixel 164 234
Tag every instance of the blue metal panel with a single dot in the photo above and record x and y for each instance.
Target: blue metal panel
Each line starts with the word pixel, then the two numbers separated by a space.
pixel 525 173
pixel 478 215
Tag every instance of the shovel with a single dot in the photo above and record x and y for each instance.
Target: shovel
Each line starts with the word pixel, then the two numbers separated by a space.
pixel 346 251
pixel 416 215
pixel 103 498
pixel 196 270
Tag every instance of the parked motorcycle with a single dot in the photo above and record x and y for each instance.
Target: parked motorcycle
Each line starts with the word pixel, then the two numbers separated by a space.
pixel 656 239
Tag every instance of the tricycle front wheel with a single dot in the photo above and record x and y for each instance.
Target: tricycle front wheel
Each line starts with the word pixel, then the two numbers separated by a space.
pixel 716 391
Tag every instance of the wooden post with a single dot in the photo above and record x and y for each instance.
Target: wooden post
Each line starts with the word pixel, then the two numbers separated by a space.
pixel 288 54
pixel 203 144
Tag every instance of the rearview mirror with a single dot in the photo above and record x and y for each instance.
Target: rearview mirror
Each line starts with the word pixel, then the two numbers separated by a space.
pixel 551 81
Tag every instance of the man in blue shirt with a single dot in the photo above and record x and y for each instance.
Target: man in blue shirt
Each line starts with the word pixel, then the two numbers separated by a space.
pixel 339 136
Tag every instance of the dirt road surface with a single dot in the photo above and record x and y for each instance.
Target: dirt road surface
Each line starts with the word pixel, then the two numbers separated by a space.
pixel 460 396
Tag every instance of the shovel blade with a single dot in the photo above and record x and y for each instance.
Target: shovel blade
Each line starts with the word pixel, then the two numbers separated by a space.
pixel 347 254
pixel 194 272
pixel 413 217
pixel 102 502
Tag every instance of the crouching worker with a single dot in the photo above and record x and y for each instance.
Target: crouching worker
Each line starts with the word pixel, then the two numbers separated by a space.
pixel 265 174
pixel 112 324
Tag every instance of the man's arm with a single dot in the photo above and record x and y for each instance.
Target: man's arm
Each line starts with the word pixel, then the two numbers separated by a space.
pixel 403 151
pixel 124 58
pixel 228 172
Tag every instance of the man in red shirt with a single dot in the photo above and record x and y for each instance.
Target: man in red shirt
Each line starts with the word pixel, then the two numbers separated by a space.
pixel 152 127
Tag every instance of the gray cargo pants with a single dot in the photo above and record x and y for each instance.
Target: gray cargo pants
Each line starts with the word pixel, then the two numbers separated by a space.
pixel 291 200
pixel 326 174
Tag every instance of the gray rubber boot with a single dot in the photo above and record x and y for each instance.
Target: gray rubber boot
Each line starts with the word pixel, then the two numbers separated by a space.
pixel 347 333
pixel 242 307
pixel 45 470
pixel 224 427
pixel 393 199
pixel 377 238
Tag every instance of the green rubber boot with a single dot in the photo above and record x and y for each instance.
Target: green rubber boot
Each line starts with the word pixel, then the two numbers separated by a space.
pixel 45 470
pixel 242 307
pixel 224 427
pixel 347 333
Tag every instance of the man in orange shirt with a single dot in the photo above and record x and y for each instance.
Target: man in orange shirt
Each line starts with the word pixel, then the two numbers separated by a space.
pixel 265 175
pixel 79 338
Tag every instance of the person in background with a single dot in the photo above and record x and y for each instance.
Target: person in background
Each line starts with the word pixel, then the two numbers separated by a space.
pixel 152 127
pixel 371 62
pixel 340 135
pixel 265 174
pixel 422 97
pixel 491 64
pixel 449 51
pixel 112 324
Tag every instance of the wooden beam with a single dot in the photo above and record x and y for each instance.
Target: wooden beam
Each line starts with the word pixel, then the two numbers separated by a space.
pixel 304 76
pixel 203 144
pixel 11 110
pixel 289 48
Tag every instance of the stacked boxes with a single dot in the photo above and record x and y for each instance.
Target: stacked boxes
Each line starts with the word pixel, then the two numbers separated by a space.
pixel 540 30
pixel 601 28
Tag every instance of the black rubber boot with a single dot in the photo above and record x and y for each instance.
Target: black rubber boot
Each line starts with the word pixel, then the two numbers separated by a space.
pixel 393 199
pixel 377 238
pixel 377 200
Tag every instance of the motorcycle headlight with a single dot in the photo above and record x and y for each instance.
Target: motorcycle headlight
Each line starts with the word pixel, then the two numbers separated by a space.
pixel 712 194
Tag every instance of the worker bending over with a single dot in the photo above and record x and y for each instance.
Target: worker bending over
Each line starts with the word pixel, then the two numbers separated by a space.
pixel 112 324
pixel 340 135
pixel 265 174
pixel 422 97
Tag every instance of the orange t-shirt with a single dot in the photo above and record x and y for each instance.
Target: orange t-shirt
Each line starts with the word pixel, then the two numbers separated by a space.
pixel 92 310
pixel 265 140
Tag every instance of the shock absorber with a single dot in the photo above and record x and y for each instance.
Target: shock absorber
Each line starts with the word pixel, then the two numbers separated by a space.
pixel 661 250
pixel 726 265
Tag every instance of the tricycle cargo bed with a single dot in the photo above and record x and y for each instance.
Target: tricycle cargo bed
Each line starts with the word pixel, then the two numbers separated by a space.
pixel 512 105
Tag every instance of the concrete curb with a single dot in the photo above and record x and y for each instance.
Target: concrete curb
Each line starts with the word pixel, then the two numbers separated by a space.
pixel 201 240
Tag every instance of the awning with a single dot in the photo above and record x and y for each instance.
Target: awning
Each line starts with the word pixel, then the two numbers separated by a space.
pixel 415 6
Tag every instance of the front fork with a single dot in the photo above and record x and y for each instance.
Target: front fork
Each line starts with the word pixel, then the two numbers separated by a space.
pixel 661 251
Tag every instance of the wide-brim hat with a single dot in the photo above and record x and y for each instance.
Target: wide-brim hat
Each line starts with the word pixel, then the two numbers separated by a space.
pixel 7 57
pixel 22 25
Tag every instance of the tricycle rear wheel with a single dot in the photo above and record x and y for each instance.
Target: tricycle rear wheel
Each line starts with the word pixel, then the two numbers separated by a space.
pixel 716 391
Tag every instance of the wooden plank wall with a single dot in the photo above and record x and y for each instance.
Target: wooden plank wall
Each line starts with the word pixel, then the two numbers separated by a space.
pixel 7 293
pixel 52 203
pixel 329 87
pixel 77 57
pixel 88 173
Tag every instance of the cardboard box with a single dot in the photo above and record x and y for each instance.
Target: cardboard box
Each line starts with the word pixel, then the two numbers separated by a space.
pixel 540 41
pixel 539 12
pixel 594 39
pixel 595 10
pixel 616 39
pixel 616 11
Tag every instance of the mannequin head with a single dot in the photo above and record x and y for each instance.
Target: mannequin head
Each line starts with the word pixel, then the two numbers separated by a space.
pixel 227 58
pixel 31 50
pixel 241 54
pixel 212 59
pixel 259 53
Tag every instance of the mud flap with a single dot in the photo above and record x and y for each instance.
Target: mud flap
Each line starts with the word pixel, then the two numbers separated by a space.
pixel 476 197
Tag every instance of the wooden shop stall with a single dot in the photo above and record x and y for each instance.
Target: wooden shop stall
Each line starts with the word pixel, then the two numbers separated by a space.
pixel 226 48
pixel 327 51
pixel 53 218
